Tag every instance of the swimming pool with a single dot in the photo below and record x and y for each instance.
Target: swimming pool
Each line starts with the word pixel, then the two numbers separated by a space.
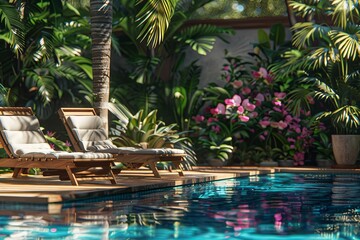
pixel 275 206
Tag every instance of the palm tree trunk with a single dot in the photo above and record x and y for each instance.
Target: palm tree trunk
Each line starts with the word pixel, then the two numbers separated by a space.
pixel 101 29
pixel 291 15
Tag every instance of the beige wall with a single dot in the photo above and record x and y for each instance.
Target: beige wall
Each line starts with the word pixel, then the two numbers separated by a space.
pixel 239 44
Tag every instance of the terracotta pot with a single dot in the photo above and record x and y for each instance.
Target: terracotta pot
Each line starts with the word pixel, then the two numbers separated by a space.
pixel 346 148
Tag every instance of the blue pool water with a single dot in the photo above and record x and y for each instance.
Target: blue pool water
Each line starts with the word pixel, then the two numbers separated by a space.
pixel 277 206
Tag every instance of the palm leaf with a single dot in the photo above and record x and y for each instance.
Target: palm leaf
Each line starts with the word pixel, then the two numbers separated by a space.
pixel 345 11
pixel 347 42
pixel 13 27
pixel 308 32
pixel 201 38
pixel 304 8
pixel 153 19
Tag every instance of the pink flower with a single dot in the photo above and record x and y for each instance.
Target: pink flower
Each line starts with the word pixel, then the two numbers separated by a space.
pixel 262 137
pixel 220 109
pixel 248 106
pixel 299 158
pixel 291 140
pixel 237 99
pixel 244 118
pixel 198 118
pixel 50 134
pixel 229 102
pixel 227 78
pixel 67 143
pixel 246 91
pixel 211 119
pixel 277 109
pixel 253 114
pixel 274 124
pixel 288 118
pixel 263 74
pixel 215 129
pixel 226 67
pixel 269 79
pixel 276 102
pixel 280 95
pixel 264 123
pixel 255 74
pixel 240 110
pixel 237 84
pixel 282 125
pixel 260 97
pixel 52 146
pixel 234 101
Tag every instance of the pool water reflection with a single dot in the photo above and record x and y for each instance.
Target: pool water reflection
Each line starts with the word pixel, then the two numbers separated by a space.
pixel 276 206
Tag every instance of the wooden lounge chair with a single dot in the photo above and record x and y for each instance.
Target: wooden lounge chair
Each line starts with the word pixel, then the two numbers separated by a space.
pixel 86 133
pixel 26 146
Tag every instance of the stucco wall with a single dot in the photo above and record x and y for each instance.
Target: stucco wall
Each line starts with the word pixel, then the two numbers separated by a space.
pixel 240 44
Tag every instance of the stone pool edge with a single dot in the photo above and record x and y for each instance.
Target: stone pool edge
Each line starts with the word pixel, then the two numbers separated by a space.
pixel 37 190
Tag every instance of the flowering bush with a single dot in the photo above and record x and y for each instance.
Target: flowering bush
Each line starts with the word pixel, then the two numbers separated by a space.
pixel 57 144
pixel 251 108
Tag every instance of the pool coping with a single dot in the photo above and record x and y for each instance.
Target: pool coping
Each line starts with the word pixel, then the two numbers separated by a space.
pixel 49 190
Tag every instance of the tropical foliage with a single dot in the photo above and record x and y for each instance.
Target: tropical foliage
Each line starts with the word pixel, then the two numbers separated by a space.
pixel 42 55
pixel 249 113
pixel 155 76
pixel 325 61
pixel 137 130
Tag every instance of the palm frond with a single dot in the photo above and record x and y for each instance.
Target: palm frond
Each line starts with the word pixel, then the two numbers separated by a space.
pixel 41 84
pixel 299 100
pixel 345 11
pixel 347 43
pixel 307 8
pixel 322 57
pixel 306 33
pixel 13 27
pixel 154 19
pixel 201 38
pixel 346 117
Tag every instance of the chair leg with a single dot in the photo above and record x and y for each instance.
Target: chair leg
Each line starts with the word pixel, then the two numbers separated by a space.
pixel 16 172
pixel 154 169
pixel 112 177
pixel 179 169
pixel 72 176
pixel 110 173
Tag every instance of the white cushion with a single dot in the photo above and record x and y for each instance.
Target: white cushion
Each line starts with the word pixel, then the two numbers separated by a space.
pixel 19 123
pixel 90 134
pixel 23 137
pixel 85 122
pixel 65 155
pixel 20 149
pixel 137 151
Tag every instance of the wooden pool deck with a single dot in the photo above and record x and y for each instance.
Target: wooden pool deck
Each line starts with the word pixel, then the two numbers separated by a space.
pixel 40 189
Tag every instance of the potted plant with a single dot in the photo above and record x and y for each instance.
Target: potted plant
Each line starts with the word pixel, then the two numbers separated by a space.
pixel 268 154
pixel 324 153
pixel 325 59
pixel 218 149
